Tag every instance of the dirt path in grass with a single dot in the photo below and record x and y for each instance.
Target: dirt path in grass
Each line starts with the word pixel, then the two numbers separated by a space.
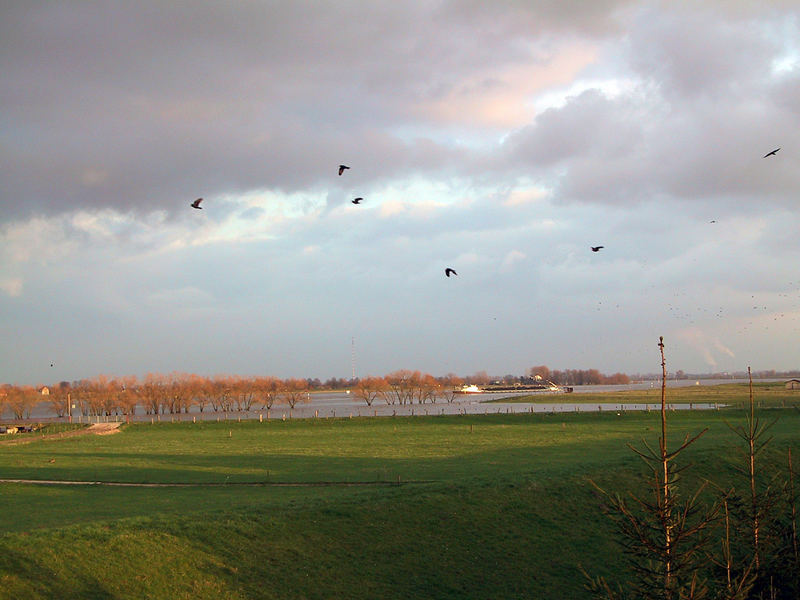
pixel 220 484
pixel 93 429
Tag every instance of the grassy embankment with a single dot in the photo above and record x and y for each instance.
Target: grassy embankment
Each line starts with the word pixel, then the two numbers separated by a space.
pixel 493 506
pixel 771 395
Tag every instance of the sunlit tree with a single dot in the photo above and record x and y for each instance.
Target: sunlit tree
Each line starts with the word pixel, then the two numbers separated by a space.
pixel 291 391
pixel 369 389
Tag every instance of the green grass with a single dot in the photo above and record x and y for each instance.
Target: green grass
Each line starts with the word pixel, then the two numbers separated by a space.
pixel 41 430
pixel 771 394
pixel 490 506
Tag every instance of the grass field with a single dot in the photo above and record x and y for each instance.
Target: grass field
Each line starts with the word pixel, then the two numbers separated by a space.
pixel 771 394
pixel 490 506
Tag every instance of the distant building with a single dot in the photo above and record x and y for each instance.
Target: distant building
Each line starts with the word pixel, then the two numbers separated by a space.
pixel 45 391
pixel 793 384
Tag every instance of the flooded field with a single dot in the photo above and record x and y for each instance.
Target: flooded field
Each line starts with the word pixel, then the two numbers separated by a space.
pixel 346 405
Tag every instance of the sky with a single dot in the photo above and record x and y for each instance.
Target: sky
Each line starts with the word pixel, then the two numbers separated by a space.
pixel 499 139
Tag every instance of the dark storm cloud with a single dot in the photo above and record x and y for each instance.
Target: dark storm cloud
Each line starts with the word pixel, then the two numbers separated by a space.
pixel 150 104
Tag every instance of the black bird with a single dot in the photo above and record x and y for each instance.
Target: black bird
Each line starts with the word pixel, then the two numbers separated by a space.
pixel 342 168
pixel 712 221
pixel 596 248
pixel 196 204
pixel 448 271
pixel 356 201
pixel 773 153
pixel 51 364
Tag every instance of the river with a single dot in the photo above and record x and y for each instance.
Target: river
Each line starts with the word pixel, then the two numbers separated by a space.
pixel 343 404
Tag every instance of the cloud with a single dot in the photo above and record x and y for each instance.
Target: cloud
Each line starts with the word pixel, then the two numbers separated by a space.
pixel 512 257
pixel 11 287
pixel 501 98
pixel 483 136
pixel 517 197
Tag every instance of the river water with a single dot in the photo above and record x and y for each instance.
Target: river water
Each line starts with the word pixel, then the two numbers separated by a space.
pixel 343 404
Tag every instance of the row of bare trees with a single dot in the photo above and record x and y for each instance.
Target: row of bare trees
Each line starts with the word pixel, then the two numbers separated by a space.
pixel 155 394
pixel 577 376
pixel 408 387
pixel 180 392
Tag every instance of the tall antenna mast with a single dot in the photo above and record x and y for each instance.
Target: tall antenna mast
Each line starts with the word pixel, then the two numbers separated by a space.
pixel 353 356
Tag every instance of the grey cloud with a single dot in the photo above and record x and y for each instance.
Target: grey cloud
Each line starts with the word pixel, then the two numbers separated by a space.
pixel 588 125
pixel 147 104
pixel 637 147
pixel 687 52
pixel 143 107
pixel 692 127
pixel 520 18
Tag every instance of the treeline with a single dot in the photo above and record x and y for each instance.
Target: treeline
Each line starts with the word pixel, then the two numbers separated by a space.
pixel 577 376
pixel 768 374
pixel 181 393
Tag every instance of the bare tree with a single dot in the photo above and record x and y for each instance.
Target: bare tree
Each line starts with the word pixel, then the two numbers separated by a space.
pixel 429 389
pixel 267 390
pixel 450 384
pixel 5 390
pixel 152 392
pixel 21 400
pixel 292 391
pixel 369 389
pixel 59 398
pixel 221 398
pixel 128 396
pixel 480 378
pixel 200 390
pixel 400 388
pixel 246 394
pixel 540 372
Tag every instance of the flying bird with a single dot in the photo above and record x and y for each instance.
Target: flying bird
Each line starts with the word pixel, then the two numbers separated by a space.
pixel 712 221
pixel 773 153
pixel 357 201
pixel 196 204
pixel 448 271
pixel 342 168
pixel 596 248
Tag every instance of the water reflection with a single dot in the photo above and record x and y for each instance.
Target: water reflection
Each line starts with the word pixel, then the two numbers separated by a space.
pixel 344 405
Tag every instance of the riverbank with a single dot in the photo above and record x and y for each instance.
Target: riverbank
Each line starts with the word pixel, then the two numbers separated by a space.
pixel 681 395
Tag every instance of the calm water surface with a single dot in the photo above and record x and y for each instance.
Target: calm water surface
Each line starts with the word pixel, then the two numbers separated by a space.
pixel 342 404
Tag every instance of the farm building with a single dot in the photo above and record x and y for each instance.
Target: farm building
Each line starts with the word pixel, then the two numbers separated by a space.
pixel 793 384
